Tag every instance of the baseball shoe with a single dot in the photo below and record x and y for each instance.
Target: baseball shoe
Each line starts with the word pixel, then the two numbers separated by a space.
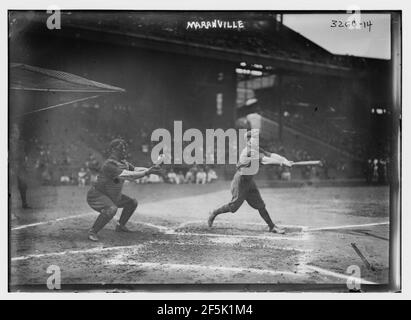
pixel 92 236
pixel 211 219
pixel 120 228
pixel 276 229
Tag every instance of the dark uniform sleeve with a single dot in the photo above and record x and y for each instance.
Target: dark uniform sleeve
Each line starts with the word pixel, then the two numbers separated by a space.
pixel 111 169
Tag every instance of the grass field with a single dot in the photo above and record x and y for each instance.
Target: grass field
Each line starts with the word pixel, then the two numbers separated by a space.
pixel 171 243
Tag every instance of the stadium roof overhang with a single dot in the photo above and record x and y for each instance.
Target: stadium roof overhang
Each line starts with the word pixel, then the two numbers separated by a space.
pixel 156 43
pixel 82 29
pixel 56 88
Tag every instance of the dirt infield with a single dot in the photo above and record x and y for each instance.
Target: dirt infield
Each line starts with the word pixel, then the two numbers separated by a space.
pixel 171 243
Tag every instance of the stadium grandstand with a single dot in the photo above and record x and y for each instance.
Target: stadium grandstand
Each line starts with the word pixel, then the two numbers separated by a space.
pixel 148 70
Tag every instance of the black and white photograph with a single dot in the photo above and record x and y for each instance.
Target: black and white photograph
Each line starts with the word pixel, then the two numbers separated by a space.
pixel 213 150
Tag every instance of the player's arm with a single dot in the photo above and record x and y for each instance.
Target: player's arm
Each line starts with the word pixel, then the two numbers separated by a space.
pixel 275 159
pixel 272 158
pixel 114 171
pixel 249 155
pixel 153 169
pixel 134 175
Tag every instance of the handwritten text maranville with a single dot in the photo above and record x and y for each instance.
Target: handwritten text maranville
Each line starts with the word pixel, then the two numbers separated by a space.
pixel 215 24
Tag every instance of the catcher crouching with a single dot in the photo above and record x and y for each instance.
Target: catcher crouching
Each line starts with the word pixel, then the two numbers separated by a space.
pixel 105 195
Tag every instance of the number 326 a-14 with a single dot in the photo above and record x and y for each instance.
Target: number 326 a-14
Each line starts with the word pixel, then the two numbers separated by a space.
pixel 351 24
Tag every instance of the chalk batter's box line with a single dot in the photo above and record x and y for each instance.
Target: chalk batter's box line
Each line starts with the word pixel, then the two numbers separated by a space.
pixel 139 246
pixel 40 223
pixel 171 231
pixel 185 224
pixel 352 226
pixel 189 267
pixel 168 230
pixel 338 275
pixel 163 229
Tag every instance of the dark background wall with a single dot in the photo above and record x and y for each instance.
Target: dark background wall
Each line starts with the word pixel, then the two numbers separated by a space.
pixel 160 87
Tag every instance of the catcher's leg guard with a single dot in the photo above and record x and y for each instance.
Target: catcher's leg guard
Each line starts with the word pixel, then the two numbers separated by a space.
pixel 105 216
pixel 128 211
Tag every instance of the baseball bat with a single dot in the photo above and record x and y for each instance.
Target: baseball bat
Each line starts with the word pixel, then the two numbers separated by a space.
pixel 306 163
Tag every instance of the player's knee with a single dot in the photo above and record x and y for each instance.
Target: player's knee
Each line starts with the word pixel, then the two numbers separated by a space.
pixel 260 207
pixel 110 212
pixel 257 206
pixel 133 204
pixel 234 206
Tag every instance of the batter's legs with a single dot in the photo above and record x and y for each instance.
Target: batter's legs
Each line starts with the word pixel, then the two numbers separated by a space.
pixel 225 208
pixel 266 217
pixel 271 226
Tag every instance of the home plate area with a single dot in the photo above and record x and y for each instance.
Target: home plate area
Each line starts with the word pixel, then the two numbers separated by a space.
pixel 177 249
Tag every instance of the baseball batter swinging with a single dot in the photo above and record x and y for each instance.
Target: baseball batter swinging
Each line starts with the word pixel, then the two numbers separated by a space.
pixel 243 186
pixel 105 195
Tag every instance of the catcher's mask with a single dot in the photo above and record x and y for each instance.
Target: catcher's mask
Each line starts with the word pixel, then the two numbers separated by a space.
pixel 119 148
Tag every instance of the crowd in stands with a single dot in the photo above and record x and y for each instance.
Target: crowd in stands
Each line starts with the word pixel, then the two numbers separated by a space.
pixel 54 163
pixel 49 159
pixel 63 156
pixel 296 153
pixel 376 170
pixel 59 164
pixel 352 142
pixel 58 169
pixel 326 131
pixel 196 174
